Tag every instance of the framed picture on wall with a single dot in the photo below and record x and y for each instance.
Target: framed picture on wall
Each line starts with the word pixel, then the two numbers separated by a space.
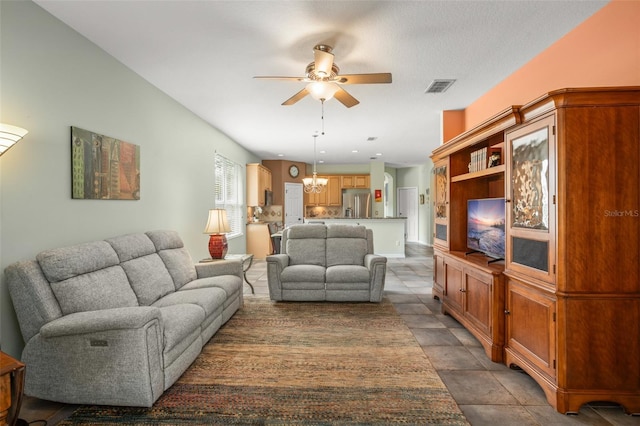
pixel 103 168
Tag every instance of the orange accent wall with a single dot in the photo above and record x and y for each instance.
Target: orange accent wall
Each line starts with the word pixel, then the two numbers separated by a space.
pixel 452 123
pixel 604 50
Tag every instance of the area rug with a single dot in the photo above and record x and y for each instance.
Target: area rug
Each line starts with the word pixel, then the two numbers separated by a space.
pixel 300 363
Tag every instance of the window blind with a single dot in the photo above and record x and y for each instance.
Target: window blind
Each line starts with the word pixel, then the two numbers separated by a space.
pixel 229 193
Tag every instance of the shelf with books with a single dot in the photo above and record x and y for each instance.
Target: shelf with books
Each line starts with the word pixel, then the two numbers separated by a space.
pixel 496 170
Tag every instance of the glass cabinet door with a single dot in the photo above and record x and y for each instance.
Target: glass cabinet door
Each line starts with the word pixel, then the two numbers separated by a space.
pixel 441 204
pixel 530 199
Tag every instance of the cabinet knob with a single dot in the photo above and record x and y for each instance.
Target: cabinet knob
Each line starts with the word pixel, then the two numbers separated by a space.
pixel 463 290
pixel 507 312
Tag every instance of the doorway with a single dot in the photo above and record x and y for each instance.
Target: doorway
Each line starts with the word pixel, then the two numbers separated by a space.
pixel 408 207
pixel 293 204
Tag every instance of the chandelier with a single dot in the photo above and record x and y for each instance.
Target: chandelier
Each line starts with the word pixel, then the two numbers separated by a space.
pixel 314 184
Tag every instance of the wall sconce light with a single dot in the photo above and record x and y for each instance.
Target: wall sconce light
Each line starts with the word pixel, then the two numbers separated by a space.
pixel 9 135
pixel 217 227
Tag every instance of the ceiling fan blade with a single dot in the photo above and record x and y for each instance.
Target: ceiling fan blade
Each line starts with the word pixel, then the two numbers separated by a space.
pixel 295 98
pixel 345 98
pixel 323 62
pixel 383 77
pixel 280 78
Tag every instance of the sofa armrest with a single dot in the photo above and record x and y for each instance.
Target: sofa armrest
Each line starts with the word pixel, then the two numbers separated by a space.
pixel 278 260
pixel 377 266
pixel 370 260
pixel 99 321
pixel 275 264
pixel 74 359
pixel 219 267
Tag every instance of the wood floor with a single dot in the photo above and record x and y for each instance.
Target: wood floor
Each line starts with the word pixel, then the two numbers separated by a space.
pixel 488 393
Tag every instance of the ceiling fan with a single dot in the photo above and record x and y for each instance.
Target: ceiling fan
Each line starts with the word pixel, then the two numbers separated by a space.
pixel 324 80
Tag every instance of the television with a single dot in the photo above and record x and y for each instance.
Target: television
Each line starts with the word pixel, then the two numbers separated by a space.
pixel 485 226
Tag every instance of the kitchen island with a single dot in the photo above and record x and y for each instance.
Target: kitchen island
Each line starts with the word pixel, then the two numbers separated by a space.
pixel 388 232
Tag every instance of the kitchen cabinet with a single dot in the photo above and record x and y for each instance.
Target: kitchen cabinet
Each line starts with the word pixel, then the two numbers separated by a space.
pixel 258 182
pixel 355 181
pixel 331 195
pixel 259 240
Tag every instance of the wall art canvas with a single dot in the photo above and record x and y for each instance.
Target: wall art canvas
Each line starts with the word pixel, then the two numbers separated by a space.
pixel 103 168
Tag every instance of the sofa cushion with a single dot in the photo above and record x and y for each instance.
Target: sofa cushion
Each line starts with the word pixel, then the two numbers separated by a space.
pixel 303 273
pixel 211 300
pixel 67 262
pixel 231 284
pixel 149 278
pixel 102 289
pixel 307 231
pixel 181 328
pixel 131 246
pixel 347 274
pixel 175 257
pixel 346 231
pixel 179 265
pixel 346 251
pixel 306 245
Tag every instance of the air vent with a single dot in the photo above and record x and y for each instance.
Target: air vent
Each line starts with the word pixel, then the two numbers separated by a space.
pixel 439 86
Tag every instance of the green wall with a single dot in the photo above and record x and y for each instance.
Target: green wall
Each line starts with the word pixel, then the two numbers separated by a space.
pixel 52 78
pixel 420 178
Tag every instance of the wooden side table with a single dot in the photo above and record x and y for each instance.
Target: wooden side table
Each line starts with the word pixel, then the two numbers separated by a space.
pixel 11 387
pixel 245 259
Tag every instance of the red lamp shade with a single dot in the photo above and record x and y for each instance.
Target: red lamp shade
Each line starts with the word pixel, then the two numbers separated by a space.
pixel 217 226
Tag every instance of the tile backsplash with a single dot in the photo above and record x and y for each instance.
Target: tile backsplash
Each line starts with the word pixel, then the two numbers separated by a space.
pixel 323 212
pixel 271 213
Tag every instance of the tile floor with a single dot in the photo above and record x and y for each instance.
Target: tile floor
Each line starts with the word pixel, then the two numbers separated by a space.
pixel 487 393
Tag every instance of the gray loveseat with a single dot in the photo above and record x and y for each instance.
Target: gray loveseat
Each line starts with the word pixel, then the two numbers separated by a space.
pixel 116 322
pixel 326 262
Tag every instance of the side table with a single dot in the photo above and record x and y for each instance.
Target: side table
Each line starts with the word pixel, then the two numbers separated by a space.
pixel 11 387
pixel 245 259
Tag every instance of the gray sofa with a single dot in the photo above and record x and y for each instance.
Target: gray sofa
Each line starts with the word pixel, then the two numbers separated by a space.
pixel 116 322
pixel 326 262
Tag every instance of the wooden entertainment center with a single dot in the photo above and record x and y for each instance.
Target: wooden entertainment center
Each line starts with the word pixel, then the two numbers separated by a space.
pixel 564 304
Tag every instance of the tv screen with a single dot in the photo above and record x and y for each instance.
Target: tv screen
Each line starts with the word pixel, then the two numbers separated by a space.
pixel 485 226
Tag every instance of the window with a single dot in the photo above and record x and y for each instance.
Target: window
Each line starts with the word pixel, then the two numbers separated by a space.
pixel 228 192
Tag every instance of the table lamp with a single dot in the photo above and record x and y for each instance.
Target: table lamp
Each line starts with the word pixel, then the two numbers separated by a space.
pixel 9 135
pixel 217 226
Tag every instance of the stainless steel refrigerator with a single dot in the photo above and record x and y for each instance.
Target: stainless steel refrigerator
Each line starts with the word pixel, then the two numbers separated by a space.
pixel 356 203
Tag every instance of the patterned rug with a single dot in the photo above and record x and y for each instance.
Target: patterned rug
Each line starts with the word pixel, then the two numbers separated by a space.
pixel 301 363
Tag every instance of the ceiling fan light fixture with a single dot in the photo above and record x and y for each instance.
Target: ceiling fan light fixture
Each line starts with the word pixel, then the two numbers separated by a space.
pixel 322 90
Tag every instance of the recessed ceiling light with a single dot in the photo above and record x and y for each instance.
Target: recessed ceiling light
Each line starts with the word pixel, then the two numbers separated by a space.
pixel 378 154
pixel 355 151
pixel 280 155
pixel 320 161
pixel 323 152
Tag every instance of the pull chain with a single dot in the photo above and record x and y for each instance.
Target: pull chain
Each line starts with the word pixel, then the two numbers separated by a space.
pixel 322 116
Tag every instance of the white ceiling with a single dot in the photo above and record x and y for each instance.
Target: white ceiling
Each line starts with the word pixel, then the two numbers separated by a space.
pixel 204 54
